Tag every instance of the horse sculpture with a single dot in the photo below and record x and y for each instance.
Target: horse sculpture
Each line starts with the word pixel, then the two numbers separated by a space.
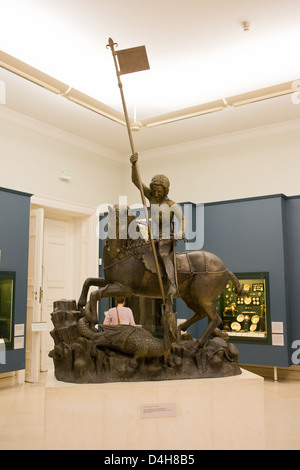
pixel 129 270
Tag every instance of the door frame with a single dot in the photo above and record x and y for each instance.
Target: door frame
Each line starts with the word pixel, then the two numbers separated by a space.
pixel 55 208
pixel 34 286
pixel 58 207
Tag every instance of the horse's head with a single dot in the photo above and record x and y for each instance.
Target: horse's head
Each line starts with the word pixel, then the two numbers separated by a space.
pixel 119 218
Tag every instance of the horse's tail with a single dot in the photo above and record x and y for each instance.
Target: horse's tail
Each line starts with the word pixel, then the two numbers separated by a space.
pixel 238 287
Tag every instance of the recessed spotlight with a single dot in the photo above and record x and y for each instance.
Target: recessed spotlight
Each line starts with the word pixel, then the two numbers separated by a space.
pixel 246 25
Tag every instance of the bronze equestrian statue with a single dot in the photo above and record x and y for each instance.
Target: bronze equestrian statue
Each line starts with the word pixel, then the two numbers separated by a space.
pixel 129 269
pixel 86 354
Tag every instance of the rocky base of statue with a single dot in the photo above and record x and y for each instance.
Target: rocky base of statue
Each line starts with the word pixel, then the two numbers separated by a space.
pixel 83 354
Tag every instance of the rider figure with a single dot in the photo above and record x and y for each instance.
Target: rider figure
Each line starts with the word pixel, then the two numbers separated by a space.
pixel 163 211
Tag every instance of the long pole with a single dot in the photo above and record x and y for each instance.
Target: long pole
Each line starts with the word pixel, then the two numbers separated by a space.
pixel 111 44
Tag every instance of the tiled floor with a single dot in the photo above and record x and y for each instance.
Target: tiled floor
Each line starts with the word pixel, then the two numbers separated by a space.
pixel 22 415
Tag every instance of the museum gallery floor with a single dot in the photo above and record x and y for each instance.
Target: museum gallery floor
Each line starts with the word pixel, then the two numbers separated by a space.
pixel 22 415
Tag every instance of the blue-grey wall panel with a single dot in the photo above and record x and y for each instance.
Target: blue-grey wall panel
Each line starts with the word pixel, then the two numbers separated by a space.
pixel 249 236
pixel 258 235
pixel 14 237
pixel 293 264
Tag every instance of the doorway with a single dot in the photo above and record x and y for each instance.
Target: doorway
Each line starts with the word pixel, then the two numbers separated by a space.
pixel 62 254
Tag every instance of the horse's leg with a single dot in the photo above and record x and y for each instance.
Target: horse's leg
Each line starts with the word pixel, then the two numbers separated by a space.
pixel 202 309
pixel 184 326
pixel 214 318
pixel 201 297
pixel 91 281
pixel 110 290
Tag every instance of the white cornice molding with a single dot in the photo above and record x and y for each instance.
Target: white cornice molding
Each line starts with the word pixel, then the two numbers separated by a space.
pixel 56 133
pixel 222 139
pixel 184 147
pixel 73 208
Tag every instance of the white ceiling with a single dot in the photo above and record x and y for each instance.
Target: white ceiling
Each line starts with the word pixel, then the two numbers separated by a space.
pixel 197 50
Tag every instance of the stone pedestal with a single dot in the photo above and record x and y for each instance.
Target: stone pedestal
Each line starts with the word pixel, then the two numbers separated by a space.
pixel 215 413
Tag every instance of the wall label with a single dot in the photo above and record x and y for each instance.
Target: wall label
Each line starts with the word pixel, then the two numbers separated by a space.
pixel 158 410
pixel 39 326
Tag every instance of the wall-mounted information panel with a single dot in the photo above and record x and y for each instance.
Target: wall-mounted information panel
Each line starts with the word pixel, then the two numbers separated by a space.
pixel 7 285
pixel 247 318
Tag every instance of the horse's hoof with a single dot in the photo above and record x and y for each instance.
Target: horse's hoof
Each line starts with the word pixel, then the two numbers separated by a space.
pixel 221 334
pixel 178 334
pixel 195 348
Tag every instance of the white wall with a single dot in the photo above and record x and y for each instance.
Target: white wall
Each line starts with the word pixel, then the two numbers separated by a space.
pixel 250 163
pixel 32 162
pixel 259 162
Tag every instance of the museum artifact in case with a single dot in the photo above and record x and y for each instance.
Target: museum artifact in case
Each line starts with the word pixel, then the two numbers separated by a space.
pixel 7 285
pixel 246 318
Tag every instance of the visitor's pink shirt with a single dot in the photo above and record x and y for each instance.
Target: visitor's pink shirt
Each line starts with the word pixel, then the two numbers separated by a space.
pixel 125 315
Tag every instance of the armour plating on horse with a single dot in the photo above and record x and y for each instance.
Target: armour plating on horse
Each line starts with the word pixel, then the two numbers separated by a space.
pixel 129 269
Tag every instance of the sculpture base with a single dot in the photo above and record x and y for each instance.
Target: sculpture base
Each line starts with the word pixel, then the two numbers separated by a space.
pixel 215 413
pixel 131 354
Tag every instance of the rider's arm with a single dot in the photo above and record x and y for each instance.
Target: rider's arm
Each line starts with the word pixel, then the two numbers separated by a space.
pixel 135 177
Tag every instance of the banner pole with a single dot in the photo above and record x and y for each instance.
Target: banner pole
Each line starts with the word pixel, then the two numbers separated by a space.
pixel 111 44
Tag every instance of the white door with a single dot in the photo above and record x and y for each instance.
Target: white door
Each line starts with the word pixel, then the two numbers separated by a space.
pixel 34 293
pixel 57 276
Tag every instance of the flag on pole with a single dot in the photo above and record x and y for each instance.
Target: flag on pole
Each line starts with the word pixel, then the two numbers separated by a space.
pixel 129 61
pixel 132 60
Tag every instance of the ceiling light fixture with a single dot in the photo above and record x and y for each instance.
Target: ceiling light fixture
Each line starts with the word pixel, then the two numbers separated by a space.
pixel 187 113
pixel 32 74
pixel 37 77
pixel 261 94
pixel 55 86
pixel 2 92
pixel 94 105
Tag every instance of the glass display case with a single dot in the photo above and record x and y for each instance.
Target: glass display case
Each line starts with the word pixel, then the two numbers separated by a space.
pixel 246 318
pixel 7 286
